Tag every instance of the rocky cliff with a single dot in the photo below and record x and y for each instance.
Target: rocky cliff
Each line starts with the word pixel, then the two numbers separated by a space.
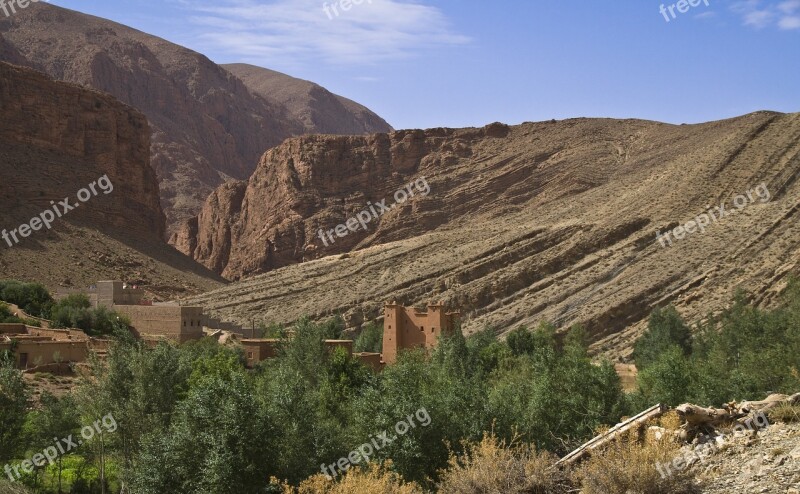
pixel 319 182
pixel 59 139
pixel 551 221
pixel 207 125
pixel 96 134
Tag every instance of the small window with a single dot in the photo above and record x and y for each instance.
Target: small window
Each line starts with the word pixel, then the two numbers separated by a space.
pixel 184 324
pixel 250 355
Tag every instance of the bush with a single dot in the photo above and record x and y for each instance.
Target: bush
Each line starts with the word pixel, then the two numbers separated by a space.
pixel 521 341
pixel 33 298
pixel 667 380
pixel 493 466
pixel 784 413
pixel 373 479
pixel 7 487
pixel 74 311
pixel 6 316
pixel 629 465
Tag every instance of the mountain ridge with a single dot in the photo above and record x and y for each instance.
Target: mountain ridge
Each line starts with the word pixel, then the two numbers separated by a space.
pixel 547 221
pixel 207 125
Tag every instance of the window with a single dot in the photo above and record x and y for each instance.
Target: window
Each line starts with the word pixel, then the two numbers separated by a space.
pixel 250 355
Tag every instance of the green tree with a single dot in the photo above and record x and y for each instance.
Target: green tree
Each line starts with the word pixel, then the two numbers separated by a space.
pixel 75 311
pixel 219 441
pixel 57 418
pixel 521 341
pixel 33 298
pixel 370 339
pixel 665 328
pixel 13 405
pixel 668 380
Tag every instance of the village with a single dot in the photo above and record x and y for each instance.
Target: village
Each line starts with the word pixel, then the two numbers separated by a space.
pixel 45 349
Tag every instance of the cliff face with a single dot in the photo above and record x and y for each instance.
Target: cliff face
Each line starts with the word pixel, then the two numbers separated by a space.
pixel 207 125
pixel 58 141
pixel 46 124
pixel 318 182
pixel 549 221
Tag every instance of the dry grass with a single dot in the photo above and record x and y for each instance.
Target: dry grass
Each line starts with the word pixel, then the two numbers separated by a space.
pixel 373 479
pixel 12 488
pixel 784 413
pixel 628 466
pixel 492 466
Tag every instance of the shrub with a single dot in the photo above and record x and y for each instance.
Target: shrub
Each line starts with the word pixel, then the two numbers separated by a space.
pixel 667 380
pixel 74 311
pixel 33 298
pixel 784 413
pixel 13 404
pixel 373 479
pixel 7 487
pixel 629 465
pixel 6 316
pixel 521 341
pixel 493 466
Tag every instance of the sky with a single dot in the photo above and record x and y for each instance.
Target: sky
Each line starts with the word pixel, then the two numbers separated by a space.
pixel 462 63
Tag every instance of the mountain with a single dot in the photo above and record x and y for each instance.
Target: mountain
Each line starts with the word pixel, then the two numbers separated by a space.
pixel 207 125
pixel 549 221
pixel 319 110
pixel 79 201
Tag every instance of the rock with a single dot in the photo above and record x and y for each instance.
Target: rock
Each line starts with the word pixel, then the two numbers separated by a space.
pixel 95 134
pixel 207 125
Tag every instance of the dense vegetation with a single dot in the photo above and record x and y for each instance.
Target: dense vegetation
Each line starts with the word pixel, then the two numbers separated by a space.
pixel 73 311
pixel 192 419
pixel 739 354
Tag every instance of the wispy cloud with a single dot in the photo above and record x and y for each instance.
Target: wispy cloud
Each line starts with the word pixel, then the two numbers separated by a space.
pixel 761 14
pixel 706 15
pixel 301 32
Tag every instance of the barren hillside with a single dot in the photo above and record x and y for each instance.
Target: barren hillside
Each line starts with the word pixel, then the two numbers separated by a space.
pixel 319 110
pixel 207 126
pixel 548 221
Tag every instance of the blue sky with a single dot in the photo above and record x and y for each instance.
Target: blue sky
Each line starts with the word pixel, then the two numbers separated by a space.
pixel 459 63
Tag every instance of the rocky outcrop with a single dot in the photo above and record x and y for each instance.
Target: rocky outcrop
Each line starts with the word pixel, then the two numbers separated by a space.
pixel 550 221
pixel 59 138
pixel 96 134
pixel 207 125
pixel 315 183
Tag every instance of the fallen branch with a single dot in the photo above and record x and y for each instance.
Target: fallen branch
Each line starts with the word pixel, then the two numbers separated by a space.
pixel 619 429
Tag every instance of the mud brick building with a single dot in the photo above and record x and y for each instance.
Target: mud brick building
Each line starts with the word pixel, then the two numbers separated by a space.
pixel 152 322
pixel 175 322
pixel 408 327
pixel 38 347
